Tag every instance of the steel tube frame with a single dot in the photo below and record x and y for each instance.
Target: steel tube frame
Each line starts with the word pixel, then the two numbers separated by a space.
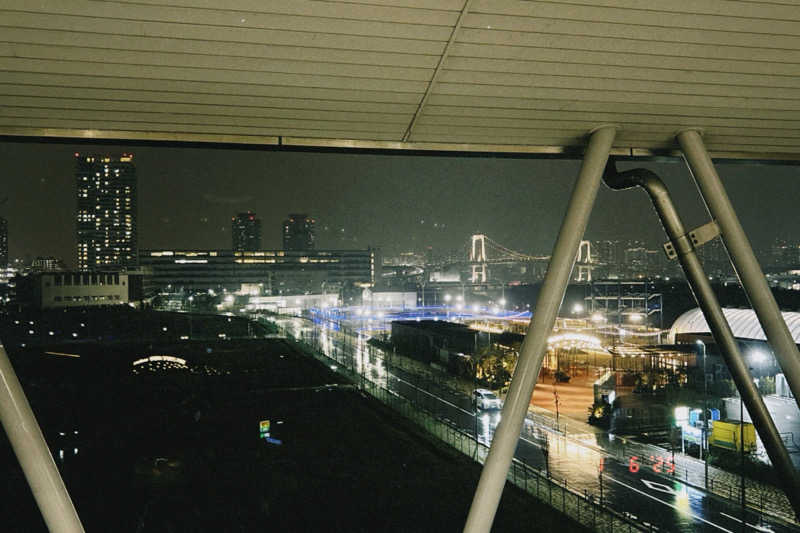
pixel 33 454
pixel 493 476
pixel 742 257
pixel 720 329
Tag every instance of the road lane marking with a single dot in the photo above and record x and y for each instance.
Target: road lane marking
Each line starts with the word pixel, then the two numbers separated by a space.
pixel 757 528
pixel 433 396
pixel 682 511
pixel 62 354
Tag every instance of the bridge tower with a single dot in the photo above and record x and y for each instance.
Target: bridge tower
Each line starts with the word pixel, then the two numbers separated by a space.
pixel 584 262
pixel 477 256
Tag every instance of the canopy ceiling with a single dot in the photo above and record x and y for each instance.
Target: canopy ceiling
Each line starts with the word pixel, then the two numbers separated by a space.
pixel 489 75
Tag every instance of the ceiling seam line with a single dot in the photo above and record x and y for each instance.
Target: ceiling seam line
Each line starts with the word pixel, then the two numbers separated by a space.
pixel 437 71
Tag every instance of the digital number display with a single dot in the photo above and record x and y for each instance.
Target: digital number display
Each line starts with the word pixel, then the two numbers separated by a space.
pixel 657 463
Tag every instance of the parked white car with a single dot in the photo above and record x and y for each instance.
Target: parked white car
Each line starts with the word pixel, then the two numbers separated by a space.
pixel 486 399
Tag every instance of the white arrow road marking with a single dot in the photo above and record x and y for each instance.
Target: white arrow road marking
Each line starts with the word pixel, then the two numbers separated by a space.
pixel 659 487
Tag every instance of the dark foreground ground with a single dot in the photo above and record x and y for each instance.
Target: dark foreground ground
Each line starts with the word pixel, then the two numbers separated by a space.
pixel 178 449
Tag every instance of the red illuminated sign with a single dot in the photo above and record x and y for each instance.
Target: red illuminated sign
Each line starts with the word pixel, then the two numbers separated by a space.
pixel 658 464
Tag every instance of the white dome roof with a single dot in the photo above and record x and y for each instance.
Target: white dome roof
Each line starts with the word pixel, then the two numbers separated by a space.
pixel 743 322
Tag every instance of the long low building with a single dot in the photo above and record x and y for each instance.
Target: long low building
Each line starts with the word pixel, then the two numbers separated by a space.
pixel 45 290
pixel 277 271
pixel 744 324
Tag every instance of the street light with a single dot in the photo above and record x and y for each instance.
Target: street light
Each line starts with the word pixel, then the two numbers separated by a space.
pixel 704 440
pixel 191 299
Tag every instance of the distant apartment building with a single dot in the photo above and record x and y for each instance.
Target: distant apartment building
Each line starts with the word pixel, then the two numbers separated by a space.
pixel 246 232
pixel 106 188
pixel 606 252
pixel 298 232
pixel 636 262
pixel 3 243
pixel 275 271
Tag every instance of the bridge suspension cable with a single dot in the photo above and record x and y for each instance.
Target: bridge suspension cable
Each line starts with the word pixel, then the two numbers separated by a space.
pixel 486 250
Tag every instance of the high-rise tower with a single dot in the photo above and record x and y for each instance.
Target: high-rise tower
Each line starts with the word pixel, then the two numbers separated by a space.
pixel 106 214
pixel 246 232
pixel 298 232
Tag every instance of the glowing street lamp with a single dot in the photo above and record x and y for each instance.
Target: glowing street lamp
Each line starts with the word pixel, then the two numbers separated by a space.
pixel 759 356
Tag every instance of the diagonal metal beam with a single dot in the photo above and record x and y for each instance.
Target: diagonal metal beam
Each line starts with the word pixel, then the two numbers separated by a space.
pixel 33 454
pixel 439 66
pixel 495 469
pixel 741 255
pixel 717 323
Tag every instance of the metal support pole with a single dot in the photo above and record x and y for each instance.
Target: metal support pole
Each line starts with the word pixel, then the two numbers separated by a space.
pixel 721 331
pixel 490 487
pixel 741 255
pixel 33 454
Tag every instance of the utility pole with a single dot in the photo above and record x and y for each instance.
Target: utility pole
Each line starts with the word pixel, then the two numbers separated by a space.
pixel 555 399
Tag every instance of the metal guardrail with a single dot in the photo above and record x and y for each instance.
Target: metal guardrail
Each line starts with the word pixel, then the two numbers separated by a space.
pixel 579 506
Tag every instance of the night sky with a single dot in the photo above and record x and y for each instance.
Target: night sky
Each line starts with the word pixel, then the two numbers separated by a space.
pixel 397 202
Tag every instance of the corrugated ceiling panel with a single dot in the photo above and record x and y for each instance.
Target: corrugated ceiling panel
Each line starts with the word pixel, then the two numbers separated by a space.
pixel 510 72
pixel 605 113
pixel 73 97
pixel 704 14
pixel 650 71
pixel 629 46
pixel 56 39
pixel 634 60
pixel 192 109
pixel 299 15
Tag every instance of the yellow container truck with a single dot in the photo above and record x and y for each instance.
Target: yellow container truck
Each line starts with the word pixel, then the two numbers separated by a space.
pixel 729 435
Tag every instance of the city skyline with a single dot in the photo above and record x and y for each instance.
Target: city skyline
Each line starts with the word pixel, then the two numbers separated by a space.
pixel 395 202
